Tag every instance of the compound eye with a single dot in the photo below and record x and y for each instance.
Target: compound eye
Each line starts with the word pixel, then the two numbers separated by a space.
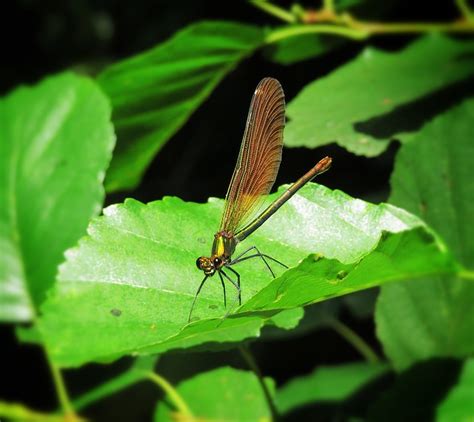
pixel 217 262
pixel 198 263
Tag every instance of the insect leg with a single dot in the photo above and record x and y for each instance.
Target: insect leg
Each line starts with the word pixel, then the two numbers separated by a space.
pixel 223 288
pixel 240 258
pixel 238 282
pixel 236 285
pixel 195 297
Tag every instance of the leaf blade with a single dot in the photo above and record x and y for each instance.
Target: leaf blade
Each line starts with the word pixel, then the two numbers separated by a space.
pixel 432 178
pixel 137 263
pixel 343 106
pixel 155 92
pixel 58 141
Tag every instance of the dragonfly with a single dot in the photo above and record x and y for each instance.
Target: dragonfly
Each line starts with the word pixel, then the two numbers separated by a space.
pixel 254 175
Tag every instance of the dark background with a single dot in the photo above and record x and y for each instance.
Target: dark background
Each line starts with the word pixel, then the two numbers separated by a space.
pixel 44 37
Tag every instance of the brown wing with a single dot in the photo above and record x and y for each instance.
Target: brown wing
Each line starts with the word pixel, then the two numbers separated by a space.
pixel 259 158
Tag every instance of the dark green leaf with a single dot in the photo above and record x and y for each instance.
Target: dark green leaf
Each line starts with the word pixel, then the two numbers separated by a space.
pixel 137 372
pixel 416 392
pixel 327 383
pixel 224 394
pixel 57 141
pixel 295 49
pixel 433 178
pixel 459 403
pixel 334 108
pixel 154 93
pixel 129 285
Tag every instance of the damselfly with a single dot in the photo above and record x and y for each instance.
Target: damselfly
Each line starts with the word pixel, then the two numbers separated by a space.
pixel 255 172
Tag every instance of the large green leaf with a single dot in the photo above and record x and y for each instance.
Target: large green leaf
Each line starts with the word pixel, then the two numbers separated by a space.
pixel 129 285
pixel 327 383
pixel 334 108
pixel 57 141
pixel 459 403
pixel 223 394
pixel 433 178
pixel 154 93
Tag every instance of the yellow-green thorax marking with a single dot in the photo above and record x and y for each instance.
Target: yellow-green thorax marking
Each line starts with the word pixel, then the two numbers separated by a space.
pixel 222 249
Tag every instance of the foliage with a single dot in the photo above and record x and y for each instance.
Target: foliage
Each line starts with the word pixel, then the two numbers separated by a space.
pixel 367 126
pixel 205 392
pixel 124 286
pixel 118 285
pixel 459 404
pixel 432 179
pixel 186 69
pixel 58 141
pixel 327 384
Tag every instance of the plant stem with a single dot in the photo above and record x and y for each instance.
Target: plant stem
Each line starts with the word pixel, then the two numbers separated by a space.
pixel 466 274
pixel 355 340
pixel 60 388
pixel 347 26
pixel 328 5
pixel 464 9
pixel 178 401
pixel 274 10
pixel 248 357
pixel 294 30
pixel 374 28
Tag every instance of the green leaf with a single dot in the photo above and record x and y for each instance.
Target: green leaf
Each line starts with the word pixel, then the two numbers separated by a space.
pixel 295 49
pixel 337 107
pixel 433 178
pixel 154 93
pixel 222 394
pixel 326 384
pixel 459 404
pixel 128 286
pixel 57 141
pixel 400 256
pixel 136 373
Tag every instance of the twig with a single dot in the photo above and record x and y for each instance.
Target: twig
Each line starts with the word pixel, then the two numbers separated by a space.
pixel 348 26
pixel 274 10
pixel 171 392
pixel 355 340
pixel 465 9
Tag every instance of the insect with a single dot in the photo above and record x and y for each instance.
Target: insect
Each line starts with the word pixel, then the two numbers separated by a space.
pixel 254 174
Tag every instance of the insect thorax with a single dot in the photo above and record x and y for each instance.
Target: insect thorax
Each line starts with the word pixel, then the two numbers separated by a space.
pixel 224 244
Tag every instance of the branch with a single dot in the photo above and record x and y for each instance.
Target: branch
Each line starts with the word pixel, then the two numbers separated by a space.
pixel 328 21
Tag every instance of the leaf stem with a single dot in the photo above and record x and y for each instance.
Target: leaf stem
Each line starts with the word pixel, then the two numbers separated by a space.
pixel 355 340
pixel 60 387
pixel 274 10
pixel 374 28
pixel 19 412
pixel 172 393
pixel 249 359
pixel 328 5
pixel 465 10
pixel 294 30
